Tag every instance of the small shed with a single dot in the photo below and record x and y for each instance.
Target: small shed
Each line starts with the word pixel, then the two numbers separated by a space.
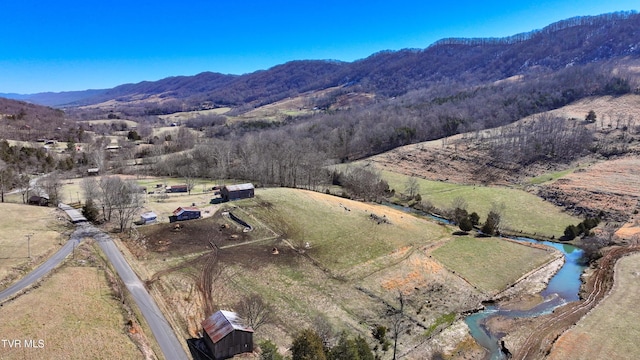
pixel 177 189
pixel 38 200
pixel 148 217
pixel 226 335
pixel 185 213
pixel 237 192
pixel 93 171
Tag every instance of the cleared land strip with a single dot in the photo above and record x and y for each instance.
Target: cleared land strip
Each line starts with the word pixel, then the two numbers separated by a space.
pixel 541 339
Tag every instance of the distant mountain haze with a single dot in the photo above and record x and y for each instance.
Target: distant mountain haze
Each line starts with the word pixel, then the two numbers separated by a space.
pixel 571 42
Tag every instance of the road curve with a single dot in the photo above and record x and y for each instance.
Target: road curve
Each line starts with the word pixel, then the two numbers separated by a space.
pixel 55 260
pixel 162 331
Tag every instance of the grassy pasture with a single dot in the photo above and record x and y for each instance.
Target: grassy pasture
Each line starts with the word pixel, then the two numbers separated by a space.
pixel 612 329
pixel 490 264
pixel 545 178
pixel 75 315
pixel 340 231
pixel 353 267
pixel 19 221
pixel 522 210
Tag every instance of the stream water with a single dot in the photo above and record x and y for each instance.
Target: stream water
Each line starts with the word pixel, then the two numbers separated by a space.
pixel 562 288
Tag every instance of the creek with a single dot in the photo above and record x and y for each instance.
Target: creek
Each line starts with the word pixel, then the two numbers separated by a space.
pixel 563 287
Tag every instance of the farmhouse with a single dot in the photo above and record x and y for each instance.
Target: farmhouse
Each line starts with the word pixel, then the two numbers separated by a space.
pixel 185 213
pixel 236 192
pixel 177 189
pixel 226 335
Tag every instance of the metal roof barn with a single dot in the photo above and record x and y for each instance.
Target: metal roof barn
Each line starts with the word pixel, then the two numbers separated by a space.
pixel 185 213
pixel 236 192
pixel 227 335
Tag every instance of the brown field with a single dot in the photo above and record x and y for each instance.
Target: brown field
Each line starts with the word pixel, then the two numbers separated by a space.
pixel 612 329
pixel 73 314
pixel 45 225
pixel 613 186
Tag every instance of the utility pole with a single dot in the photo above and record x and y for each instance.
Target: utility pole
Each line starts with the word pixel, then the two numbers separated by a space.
pixel 29 244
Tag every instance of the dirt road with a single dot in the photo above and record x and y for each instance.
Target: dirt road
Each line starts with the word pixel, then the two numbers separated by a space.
pixel 545 333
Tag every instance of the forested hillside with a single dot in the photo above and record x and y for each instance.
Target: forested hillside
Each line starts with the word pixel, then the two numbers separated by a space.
pixel 571 42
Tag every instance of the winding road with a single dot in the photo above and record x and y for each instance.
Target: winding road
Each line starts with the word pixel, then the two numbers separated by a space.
pixel 55 260
pixel 162 331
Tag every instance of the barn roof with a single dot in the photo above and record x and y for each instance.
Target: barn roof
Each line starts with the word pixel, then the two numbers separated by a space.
pixel 223 322
pixel 239 187
pixel 180 210
pixel 149 215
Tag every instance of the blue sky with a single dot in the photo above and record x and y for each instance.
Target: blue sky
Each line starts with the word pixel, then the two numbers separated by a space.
pixel 68 45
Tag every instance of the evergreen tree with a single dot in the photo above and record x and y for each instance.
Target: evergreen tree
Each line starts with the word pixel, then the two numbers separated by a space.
pixel 269 351
pixel 308 346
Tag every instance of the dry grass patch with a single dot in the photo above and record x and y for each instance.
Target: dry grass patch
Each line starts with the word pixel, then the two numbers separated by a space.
pixel 43 223
pixel 612 329
pixel 75 315
pixel 341 233
pixel 490 264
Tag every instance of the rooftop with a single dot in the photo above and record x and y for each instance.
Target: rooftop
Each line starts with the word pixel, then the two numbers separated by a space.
pixel 223 322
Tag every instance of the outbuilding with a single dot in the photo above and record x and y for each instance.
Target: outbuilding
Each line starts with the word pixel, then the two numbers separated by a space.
pixel 38 200
pixel 226 335
pixel 185 213
pixel 177 189
pixel 237 192
pixel 148 217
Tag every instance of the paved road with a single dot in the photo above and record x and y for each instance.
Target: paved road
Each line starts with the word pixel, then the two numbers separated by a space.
pixel 77 236
pixel 166 338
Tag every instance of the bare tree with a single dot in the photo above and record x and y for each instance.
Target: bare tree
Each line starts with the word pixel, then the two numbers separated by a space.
pixel 7 179
pixel 398 323
pixel 24 184
pixel 255 311
pixel 127 202
pixel 90 189
pixel 412 187
pixel 50 186
pixel 109 188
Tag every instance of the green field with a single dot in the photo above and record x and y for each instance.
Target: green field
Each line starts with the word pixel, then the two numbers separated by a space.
pixel 490 264
pixel 544 178
pixel 522 211
pixel 340 232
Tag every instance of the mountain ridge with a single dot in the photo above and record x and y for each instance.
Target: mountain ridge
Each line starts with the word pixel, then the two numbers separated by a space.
pixel 570 42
